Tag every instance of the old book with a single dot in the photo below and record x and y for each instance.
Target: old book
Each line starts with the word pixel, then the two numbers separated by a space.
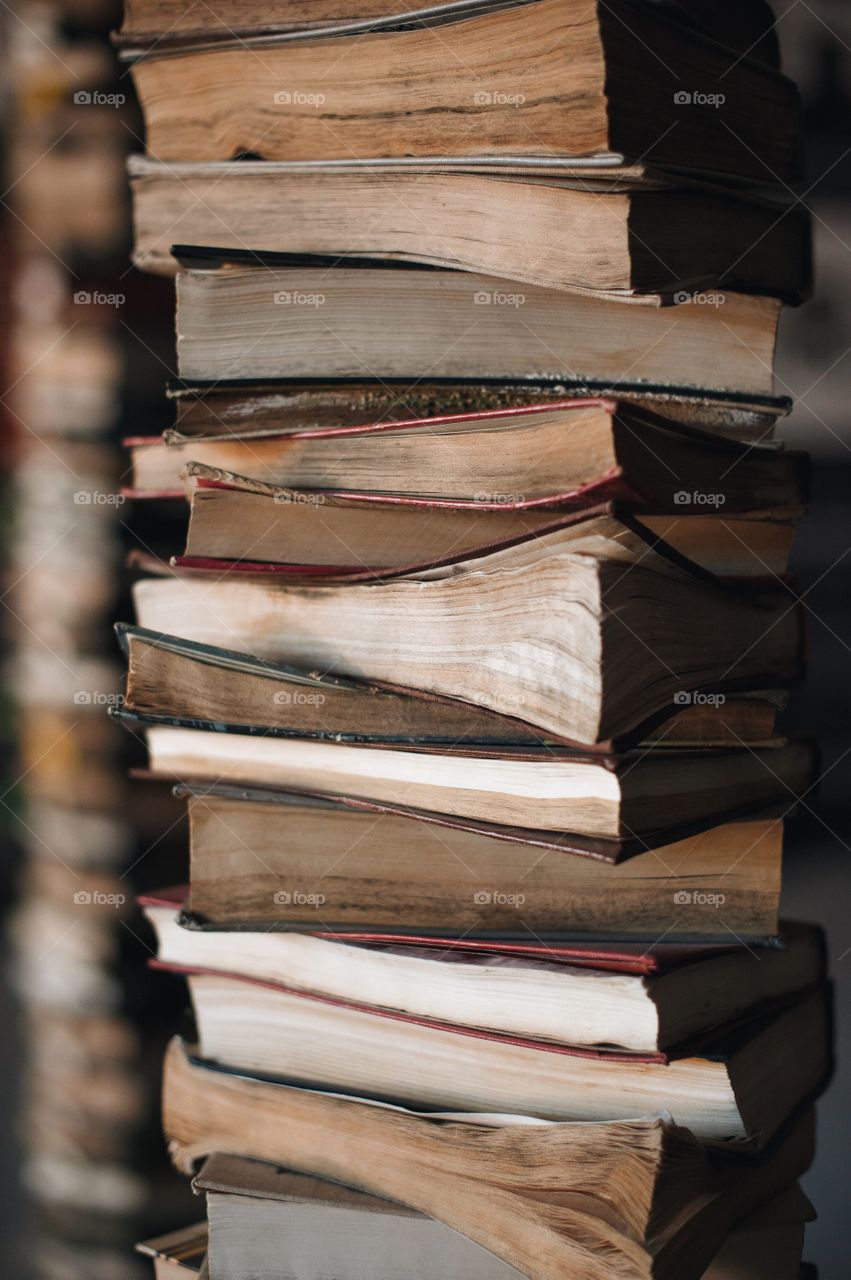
pixel 335 1226
pixel 339 533
pixel 274 857
pixel 159 466
pixel 585 633
pixel 581 996
pixel 745 25
pixel 735 1088
pixel 259 1215
pixel 595 450
pixel 570 453
pixel 170 680
pixel 670 1203
pixel 635 795
pixel 240 316
pixel 608 83
pixel 282 406
pixel 628 239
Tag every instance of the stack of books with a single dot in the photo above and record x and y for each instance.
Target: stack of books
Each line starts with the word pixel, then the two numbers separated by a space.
pixel 470 665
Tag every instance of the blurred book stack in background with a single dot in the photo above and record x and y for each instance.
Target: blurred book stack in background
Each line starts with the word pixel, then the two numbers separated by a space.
pixel 86 1126
pixel 470 666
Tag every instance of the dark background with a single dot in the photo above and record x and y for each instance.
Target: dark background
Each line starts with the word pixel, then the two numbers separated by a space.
pixel 814 365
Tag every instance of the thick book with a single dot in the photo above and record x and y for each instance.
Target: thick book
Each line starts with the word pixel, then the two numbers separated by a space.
pixel 174 681
pixel 567 454
pixel 585 633
pixel 583 435
pixel 262 1219
pixel 319 1228
pixel 339 532
pixel 672 1203
pixel 293 860
pixel 645 795
pixel 581 996
pixel 245 316
pixel 635 236
pixel 625 80
pixel 734 1088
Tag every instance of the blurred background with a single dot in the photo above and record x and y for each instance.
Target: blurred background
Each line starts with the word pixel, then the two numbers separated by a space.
pixel 86 343
pixel 85 349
